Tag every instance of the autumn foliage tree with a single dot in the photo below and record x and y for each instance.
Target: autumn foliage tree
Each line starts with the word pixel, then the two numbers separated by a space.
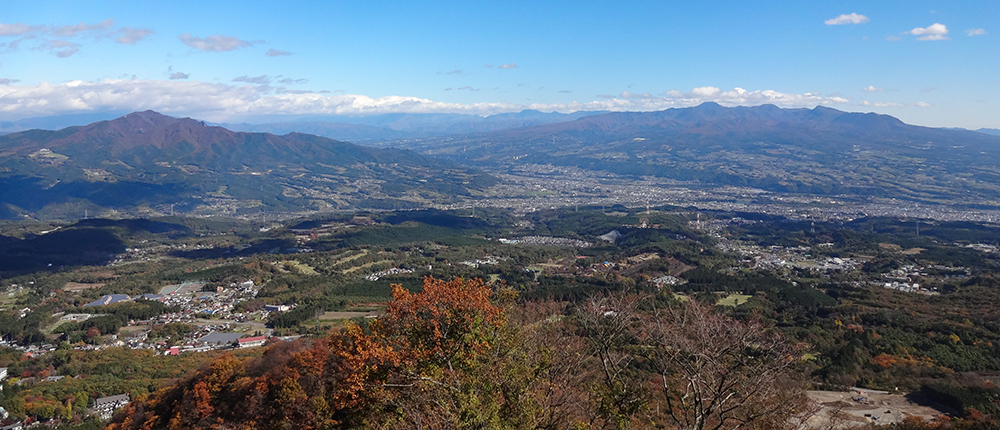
pixel 459 355
pixel 440 358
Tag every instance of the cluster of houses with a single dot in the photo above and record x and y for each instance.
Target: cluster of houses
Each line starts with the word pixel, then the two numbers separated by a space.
pixel 218 340
pixel 393 271
pixel 103 407
pixel 488 260
pixel 548 240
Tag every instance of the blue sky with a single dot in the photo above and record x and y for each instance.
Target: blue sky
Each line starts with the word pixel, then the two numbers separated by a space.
pixel 927 62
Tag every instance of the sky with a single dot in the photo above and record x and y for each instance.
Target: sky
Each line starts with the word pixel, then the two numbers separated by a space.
pixel 933 63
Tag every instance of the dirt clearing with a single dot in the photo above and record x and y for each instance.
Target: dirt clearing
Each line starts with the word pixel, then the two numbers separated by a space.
pixel 856 407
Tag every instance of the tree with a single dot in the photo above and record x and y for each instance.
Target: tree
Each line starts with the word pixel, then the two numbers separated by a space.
pixel 611 322
pixel 719 373
pixel 434 360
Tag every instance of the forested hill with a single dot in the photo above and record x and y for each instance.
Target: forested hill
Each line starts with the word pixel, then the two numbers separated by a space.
pixel 146 159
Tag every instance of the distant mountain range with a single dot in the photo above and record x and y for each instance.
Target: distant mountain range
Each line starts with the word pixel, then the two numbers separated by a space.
pixel 817 151
pixel 57 122
pixel 400 126
pixel 145 162
pixel 992 131
pixel 340 127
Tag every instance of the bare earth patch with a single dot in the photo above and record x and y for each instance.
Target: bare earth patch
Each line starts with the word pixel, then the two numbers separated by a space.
pixel 845 409
pixel 79 286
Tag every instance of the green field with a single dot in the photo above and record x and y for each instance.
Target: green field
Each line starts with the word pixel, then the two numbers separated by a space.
pixel 733 300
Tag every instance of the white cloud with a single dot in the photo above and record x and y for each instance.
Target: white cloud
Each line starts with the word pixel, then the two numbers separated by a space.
pixel 221 102
pixel 214 43
pixel 894 104
pixel 507 66
pixel 277 53
pixel 129 35
pixel 975 32
pixel 99 29
pixel 179 75
pixel 853 18
pixel 18 29
pixel 872 89
pixel 936 31
pixel 880 104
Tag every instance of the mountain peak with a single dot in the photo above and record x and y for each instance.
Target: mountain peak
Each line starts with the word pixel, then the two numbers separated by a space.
pixel 147 118
pixel 708 106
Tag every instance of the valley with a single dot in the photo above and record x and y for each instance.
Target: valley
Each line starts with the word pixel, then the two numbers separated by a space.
pixel 870 297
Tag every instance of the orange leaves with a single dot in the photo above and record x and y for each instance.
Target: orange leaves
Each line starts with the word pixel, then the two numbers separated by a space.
pixel 442 327
pixel 445 320
pixel 428 343
pixel 883 360
pixel 203 400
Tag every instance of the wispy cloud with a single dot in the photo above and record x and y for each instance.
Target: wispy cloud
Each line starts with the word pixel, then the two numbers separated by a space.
pixel 290 81
pixel 975 32
pixel 130 35
pixel 936 31
pixel 179 75
pixel 880 104
pixel 277 53
pixel 54 38
pixel 852 18
pixel 627 95
pixel 872 89
pixel 451 72
pixel 61 48
pixel 259 80
pixel 215 43
pixel 894 104
pixel 8 81
pixel 103 27
pixel 19 29
pixel 502 66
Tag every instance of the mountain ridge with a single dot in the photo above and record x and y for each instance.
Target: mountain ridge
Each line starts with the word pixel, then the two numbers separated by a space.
pixel 815 151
